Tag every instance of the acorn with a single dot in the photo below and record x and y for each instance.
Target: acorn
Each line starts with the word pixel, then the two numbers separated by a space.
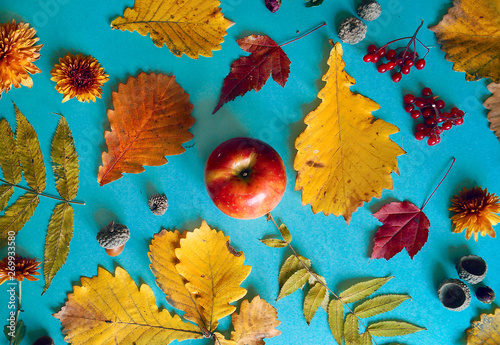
pixel 485 294
pixel 369 10
pixel 471 268
pixel 45 340
pixel 158 204
pixel 352 30
pixel 454 294
pixel 113 238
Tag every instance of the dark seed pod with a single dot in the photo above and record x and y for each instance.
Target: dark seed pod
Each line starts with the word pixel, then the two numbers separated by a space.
pixel 471 268
pixel 454 294
pixel 273 5
pixel 352 30
pixel 45 340
pixel 485 294
pixel 158 204
pixel 369 10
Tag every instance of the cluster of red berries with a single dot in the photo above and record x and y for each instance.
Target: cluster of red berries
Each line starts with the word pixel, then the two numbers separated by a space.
pixel 435 121
pixel 402 58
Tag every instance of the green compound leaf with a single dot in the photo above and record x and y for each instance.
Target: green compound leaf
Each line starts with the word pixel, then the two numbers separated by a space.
pixel 296 281
pixel 336 320
pixel 6 192
pixel 379 305
pixel 291 265
pixel 392 328
pixel 287 236
pixel 274 243
pixel 9 159
pixel 18 214
pixel 351 330
pixel 366 339
pixel 362 290
pixel 30 155
pixel 57 241
pixel 314 299
pixel 65 161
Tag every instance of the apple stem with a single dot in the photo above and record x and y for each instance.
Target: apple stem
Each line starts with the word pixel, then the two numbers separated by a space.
pixel 439 184
pixel 304 35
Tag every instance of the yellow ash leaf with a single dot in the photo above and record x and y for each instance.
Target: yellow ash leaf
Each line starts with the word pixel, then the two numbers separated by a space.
pixel 486 331
pixel 470 36
pixel 163 261
pixel 192 27
pixel 213 272
pixel 345 156
pixel 109 310
pixel 256 321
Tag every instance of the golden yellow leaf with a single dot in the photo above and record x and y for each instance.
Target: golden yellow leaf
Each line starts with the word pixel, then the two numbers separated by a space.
pixel 151 119
pixel 213 272
pixel 109 310
pixel 486 331
pixel 163 261
pixel 192 27
pixel 345 156
pixel 470 36
pixel 257 320
pixel 493 105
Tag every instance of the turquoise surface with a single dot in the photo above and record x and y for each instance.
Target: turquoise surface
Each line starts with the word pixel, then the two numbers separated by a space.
pixel 339 252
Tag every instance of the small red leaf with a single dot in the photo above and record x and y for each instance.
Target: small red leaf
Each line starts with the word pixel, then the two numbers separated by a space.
pixel 404 226
pixel 251 72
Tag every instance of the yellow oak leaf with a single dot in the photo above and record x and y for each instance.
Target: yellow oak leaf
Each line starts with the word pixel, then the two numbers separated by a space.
pixel 109 310
pixel 470 36
pixel 192 27
pixel 345 156
pixel 486 331
pixel 493 105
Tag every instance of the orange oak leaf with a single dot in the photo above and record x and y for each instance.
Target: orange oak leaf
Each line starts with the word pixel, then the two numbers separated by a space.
pixel 151 119
pixel 251 72
pixel 493 105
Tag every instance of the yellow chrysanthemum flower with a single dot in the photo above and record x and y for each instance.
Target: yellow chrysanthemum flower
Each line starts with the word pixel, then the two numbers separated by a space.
pixel 79 76
pixel 476 210
pixel 18 268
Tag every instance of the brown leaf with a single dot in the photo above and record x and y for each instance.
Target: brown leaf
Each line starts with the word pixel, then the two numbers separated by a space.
pixel 493 105
pixel 485 331
pixel 151 119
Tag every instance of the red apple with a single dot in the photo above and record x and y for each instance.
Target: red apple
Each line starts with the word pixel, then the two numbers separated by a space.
pixel 245 178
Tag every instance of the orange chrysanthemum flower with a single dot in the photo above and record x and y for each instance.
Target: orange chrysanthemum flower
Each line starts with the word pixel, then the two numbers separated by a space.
pixel 17 53
pixel 475 211
pixel 18 268
pixel 79 76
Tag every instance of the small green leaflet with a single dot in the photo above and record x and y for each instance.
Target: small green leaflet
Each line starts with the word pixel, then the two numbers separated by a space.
pixel 351 330
pixel 18 334
pixel 291 265
pixel 379 305
pixel 274 243
pixel 285 233
pixel 18 214
pixel 362 290
pixel 6 192
pixel 392 328
pixel 9 159
pixel 314 299
pixel 336 319
pixel 296 281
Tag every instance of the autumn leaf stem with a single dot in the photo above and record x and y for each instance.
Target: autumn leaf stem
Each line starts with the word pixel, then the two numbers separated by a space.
pixel 439 184
pixel 18 311
pixel 29 190
pixel 304 35
pixel 315 276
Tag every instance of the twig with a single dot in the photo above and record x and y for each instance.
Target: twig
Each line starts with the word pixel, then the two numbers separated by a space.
pixel 42 194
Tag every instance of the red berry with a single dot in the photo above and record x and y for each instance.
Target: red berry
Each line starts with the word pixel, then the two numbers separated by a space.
pixel 390 65
pixel 427 112
pixel 405 69
pixel 409 98
pixel 419 102
pixel 459 121
pixel 396 77
pixel 440 104
pixel 420 127
pixel 426 91
pixel 454 111
pixel 372 48
pixel 415 114
pixel 419 135
pixel 381 52
pixel 367 58
pixel 409 108
pixel 374 58
pixel 399 61
pixel 440 119
pixel 433 140
pixel 429 121
pixel 420 64
pixel 447 125
pixel 391 54
pixel 382 68
pixel 408 63
pixel 445 114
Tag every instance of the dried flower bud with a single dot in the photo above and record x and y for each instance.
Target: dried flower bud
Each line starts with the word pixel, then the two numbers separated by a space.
pixel 273 5
pixel 158 204
pixel 352 30
pixel 485 294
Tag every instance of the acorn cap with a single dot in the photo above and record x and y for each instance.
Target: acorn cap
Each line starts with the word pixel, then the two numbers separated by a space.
pixel 454 294
pixel 45 340
pixel 113 235
pixel 158 204
pixel 369 10
pixel 471 268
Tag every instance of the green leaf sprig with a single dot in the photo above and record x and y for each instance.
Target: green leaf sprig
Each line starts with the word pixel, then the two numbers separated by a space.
pixel 296 272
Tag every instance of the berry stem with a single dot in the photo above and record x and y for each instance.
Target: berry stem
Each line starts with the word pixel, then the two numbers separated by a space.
pixel 439 184
pixel 304 35
pixel 412 40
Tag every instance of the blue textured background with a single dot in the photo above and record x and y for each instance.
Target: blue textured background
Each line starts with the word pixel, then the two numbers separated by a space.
pixel 338 252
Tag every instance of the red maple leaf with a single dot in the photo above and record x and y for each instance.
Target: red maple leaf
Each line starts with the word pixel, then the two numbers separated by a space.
pixel 252 72
pixel 404 226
